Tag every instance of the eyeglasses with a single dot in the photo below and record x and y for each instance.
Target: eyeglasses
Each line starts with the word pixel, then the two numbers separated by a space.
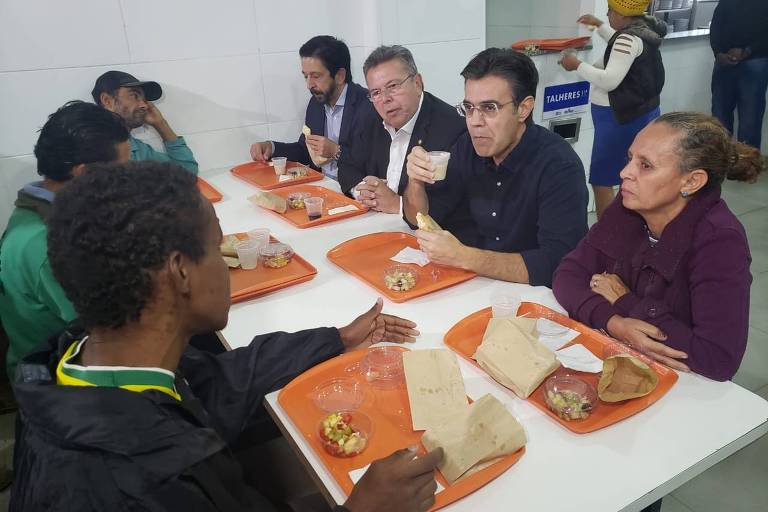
pixel 388 90
pixel 487 108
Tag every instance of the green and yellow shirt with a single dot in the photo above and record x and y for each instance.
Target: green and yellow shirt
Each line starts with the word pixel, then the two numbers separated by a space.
pixel 135 379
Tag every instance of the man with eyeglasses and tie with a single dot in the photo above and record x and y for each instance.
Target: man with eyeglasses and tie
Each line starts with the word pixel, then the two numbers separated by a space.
pixel 514 199
pixel 373 170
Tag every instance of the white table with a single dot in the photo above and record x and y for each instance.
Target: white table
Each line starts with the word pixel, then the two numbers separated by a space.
pixel 623 467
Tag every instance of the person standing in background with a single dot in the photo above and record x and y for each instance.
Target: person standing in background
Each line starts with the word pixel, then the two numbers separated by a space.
pixel 739 41
pixel 626 84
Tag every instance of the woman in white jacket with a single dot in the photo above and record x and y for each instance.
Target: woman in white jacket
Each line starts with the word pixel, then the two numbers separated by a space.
pixel 626 84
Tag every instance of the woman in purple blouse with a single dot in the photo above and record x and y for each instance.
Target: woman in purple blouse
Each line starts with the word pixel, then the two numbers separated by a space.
pixel 666 268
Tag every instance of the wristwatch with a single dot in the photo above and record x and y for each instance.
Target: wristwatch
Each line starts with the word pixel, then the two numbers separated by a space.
pixel 337 155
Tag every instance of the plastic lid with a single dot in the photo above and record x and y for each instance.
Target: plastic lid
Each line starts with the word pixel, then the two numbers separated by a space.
pixel 276 249
pixel 383 367
pixel 570 397
pixel 298 195
pixel 339 395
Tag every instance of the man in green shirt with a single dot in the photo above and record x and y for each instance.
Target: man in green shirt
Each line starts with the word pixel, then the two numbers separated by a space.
pixel 132 99
pixel 32 304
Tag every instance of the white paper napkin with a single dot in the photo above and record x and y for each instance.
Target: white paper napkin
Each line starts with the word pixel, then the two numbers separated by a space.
pixel 577 357
pixel 411 255
pixel 284 177
pixel 553 335
pixel 357 474
pixel 342 209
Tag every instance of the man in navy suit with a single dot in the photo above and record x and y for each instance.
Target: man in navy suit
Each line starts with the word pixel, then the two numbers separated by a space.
pixel 334 112
pixel 373 170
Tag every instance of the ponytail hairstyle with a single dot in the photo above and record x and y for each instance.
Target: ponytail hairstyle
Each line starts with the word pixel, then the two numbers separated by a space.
pixel 704 143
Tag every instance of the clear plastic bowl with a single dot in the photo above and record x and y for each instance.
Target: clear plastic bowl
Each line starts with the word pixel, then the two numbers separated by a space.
pixel 359 423
pixel 400 278
pixel 570 397
pixel 339 395
pixel 296 200
pixel 382 367
pixel 276 255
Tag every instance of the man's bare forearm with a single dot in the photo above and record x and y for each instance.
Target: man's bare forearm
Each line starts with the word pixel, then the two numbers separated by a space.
pixel 496 265
pixel 414 201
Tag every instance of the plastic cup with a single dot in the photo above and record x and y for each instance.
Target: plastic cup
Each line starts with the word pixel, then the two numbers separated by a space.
pixel 505 304
pixel 314 206
pixel 440 159
pixel 280 164
pixel 261 235
pixel 248 253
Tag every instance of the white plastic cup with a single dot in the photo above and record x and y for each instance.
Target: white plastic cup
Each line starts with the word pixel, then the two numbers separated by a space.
pixel 505 304
pixel 260 235
pixel 280 164
pixel 248 253
pixel 440 159
pixel 314 206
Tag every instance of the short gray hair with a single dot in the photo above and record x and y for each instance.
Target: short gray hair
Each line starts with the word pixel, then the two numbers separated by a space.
pixel 386 53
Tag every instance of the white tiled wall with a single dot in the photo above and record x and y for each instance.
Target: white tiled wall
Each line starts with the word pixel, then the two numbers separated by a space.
pixel 229 70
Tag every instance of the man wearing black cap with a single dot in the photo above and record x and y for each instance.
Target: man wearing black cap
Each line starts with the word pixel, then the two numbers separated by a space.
pixel 132 100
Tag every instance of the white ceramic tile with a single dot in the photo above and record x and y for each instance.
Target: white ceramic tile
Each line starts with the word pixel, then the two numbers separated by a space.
pixel 225 148
pixel 437 20
pixel 27 98
pixel 288 131
pixel 358 55
pixel 49 34
pixel 441 63
pixel 208 94
pixel 15 173
pixel 284 87
pixel 552 32
pixel 178 29
pixel 554 13
pixel 503 36
pixel 285 26
pixel 506 12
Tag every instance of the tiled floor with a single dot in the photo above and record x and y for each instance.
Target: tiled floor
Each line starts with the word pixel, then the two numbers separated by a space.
pixel 739 483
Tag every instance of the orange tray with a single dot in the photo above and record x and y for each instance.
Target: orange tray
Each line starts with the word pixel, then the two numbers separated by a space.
pixel 263 175
pixel 367 256
pixel 331 199
pixel 390 414
pixel 248 284
pixel 208 191
pixel 553 44
pixel 466 336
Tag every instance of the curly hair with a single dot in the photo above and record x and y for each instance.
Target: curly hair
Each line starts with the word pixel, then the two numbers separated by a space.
pixel 704 143
pixel 113 226
pixel 78 133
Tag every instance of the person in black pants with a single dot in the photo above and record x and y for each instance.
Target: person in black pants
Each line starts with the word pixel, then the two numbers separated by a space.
pixel 739 41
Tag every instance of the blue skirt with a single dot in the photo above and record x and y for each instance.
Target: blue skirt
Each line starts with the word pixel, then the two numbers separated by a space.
pixel 612 141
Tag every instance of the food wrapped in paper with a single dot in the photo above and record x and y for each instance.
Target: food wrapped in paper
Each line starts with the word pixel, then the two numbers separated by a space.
pixel 511 353
pixel 426 223
pixel 318 160
pixel 483 431
pixel 435 386
pixel 269 201
pixel 624 377
pixel 227 246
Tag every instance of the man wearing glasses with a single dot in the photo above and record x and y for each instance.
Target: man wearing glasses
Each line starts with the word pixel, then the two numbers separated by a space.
pixel 373 170
pixel 335 111
pixel 514 199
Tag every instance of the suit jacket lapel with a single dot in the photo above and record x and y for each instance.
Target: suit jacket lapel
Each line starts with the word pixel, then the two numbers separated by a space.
pixel 420 132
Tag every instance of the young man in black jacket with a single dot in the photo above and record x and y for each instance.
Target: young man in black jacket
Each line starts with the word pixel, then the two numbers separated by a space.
pixel 373 170
pixel 127 416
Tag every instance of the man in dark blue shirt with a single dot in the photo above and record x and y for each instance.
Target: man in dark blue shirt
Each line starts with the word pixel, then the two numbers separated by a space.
pixel 514 200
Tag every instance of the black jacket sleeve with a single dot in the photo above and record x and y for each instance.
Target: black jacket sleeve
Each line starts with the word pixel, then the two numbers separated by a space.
pixel 231 386
pixel 353 164
pixel 717 29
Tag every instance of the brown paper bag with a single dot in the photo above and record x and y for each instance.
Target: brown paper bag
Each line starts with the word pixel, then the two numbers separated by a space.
pixel 269 201
pixel 483 432
pixel 435 386
pixel 511 354
pixel 625 377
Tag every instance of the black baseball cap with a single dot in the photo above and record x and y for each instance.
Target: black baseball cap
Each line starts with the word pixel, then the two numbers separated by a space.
pixel 113 80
